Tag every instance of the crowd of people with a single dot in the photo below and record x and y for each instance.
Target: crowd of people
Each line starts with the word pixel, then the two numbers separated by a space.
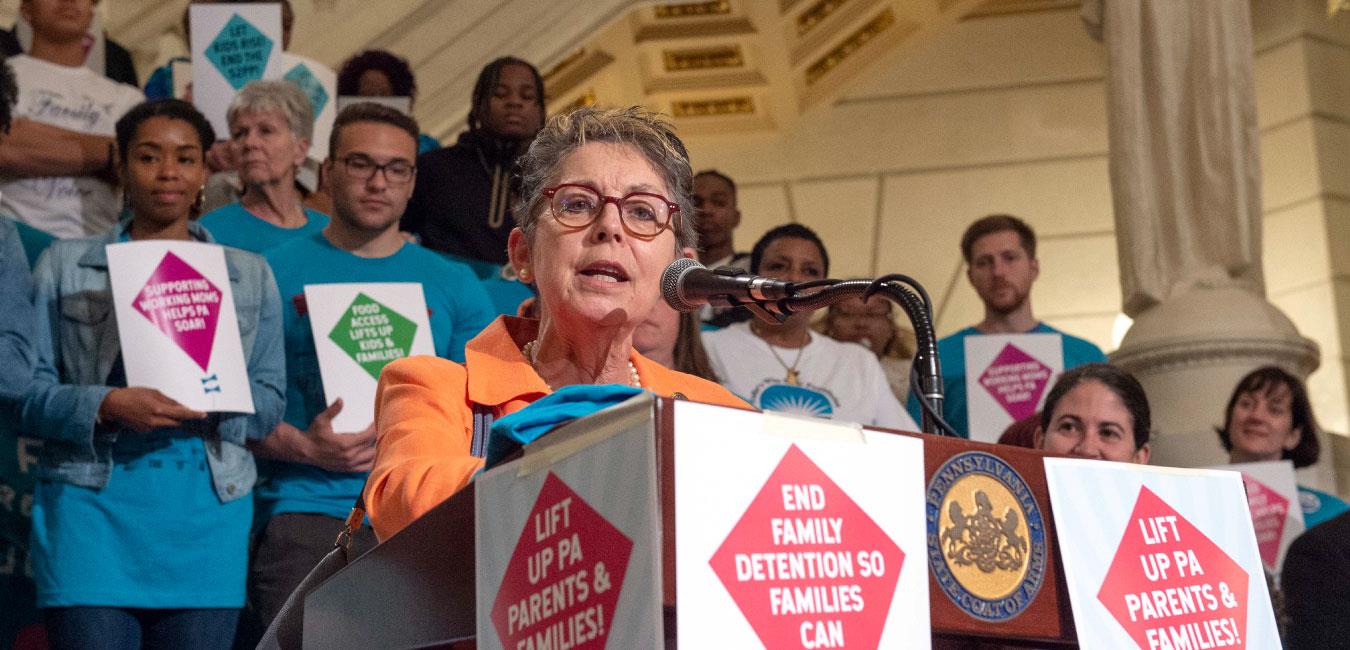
pixel 532 284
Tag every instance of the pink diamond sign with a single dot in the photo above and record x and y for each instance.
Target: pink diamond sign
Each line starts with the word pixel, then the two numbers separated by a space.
pixel 184 305
pixel 1270 510
pixel 1016 380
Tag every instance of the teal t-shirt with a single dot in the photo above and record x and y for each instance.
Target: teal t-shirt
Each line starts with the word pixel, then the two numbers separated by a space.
pixel 156 536
pixel 232 225
pixel 1319 506
pixel 458 309
pixel 952 356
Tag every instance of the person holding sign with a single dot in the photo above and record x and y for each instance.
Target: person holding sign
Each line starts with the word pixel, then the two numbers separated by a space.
pixel 1096 411
pixel 1270 418
pixel 314 473
pixel 1001 265
pixel 141 514
pixel 598 269
pixel 789 367
pixel 271 124
pixel 381 73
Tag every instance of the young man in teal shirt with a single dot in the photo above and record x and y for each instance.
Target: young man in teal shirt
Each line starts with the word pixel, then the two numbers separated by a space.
pixel 1001 264
pixel 314 474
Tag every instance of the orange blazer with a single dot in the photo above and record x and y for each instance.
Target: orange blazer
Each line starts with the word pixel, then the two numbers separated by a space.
pixel 424 416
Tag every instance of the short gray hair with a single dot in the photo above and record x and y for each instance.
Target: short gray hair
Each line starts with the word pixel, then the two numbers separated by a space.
pixel 282 96
pixel 647 132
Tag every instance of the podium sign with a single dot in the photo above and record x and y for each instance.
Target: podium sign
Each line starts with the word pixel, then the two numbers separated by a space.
pixel 797 533
pixel 1159 558
pixel 568 539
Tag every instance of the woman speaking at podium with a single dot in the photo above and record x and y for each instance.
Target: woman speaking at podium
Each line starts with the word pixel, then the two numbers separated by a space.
pixel 605 207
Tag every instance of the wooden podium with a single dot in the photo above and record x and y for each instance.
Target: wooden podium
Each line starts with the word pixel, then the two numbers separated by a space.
pixel 417 589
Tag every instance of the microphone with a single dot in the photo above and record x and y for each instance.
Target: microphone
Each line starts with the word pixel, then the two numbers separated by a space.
pixel 687 285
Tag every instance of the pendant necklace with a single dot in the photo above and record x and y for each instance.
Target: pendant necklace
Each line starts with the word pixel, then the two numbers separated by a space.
pixel 792 378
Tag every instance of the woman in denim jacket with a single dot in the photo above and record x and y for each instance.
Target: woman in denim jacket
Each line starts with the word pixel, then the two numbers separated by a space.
pixel 140 517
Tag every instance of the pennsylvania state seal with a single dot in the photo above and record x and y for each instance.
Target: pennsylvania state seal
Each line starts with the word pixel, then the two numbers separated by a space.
pixel 986 537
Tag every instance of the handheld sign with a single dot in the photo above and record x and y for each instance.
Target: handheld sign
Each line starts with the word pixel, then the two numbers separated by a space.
pixel 568 538
pixel 1272 497
pixel 1159 558
pixel 358 329
pixel 1007 377
pixel 400 104
pixel 795 532
pixel 232 44
pixel 319 83
pixel 176 321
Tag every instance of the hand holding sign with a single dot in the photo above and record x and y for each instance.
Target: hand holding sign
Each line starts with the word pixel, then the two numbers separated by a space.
pixel 319 445
pixel 143 409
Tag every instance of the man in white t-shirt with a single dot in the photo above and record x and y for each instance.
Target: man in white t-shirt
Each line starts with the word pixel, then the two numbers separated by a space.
pixel 57 166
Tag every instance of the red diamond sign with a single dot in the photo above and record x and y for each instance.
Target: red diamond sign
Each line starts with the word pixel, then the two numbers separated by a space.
pixel 1016 380
pixel 184 305
pixel 806 565
pixel 564 578
pixel 1270 511
pixel 1170 586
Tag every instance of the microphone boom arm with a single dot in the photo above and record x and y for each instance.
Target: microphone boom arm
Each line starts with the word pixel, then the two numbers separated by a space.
pixel 916 306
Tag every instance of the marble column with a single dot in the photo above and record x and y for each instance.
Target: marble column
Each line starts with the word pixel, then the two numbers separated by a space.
pixel 1186 188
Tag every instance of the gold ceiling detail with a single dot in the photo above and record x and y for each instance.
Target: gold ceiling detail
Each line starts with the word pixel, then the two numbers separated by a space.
pixel 713 107
pixel 562 65
pixel 807 20
pixel 585 100
pixel 704 58
pixel 690 10
pixel 845 49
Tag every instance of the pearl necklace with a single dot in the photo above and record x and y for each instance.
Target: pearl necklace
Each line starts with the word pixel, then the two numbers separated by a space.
pixel 532 348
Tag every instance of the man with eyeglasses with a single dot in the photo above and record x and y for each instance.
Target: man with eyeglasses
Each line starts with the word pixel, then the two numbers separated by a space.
pixel 311 473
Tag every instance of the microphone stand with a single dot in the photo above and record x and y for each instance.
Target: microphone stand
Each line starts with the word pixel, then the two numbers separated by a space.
pixel 810 296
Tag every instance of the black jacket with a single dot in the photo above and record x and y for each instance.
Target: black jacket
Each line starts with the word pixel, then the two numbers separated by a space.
pixel 462 202
pixel 116 59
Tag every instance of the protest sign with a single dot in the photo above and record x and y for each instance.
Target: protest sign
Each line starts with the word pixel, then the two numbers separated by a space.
pixel 1007 377
pixel 358 329
pixel 1272 497
pixel 319 84
pixel 232 44
pixel 797 533
pixel 1159 558
pixel 176 322
pixel 567 539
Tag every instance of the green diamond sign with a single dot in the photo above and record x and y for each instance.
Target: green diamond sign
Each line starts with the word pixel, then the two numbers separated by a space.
pixel 373 334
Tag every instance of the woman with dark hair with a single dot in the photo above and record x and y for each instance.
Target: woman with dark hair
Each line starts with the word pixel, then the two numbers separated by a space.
pixel 1270 418
pixel 462 203
pixel 1096 411
pixel 789 367
pixel 142 509
pixel 381 73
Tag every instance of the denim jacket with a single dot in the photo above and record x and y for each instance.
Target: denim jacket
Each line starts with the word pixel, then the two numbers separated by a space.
pixel 77 345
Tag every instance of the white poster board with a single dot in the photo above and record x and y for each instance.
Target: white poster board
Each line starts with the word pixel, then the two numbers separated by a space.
pixel 758 494
pixel 1272 498
pixel 232 44
pixel 319 82
pixel 568 538
pixel 400 104
pixel 1007 378
pixel 1156 557
pixel 358 329
pixel 177 324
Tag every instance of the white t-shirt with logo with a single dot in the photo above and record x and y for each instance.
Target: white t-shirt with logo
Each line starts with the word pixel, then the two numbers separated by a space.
pixel 842 381
pixel 76 99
